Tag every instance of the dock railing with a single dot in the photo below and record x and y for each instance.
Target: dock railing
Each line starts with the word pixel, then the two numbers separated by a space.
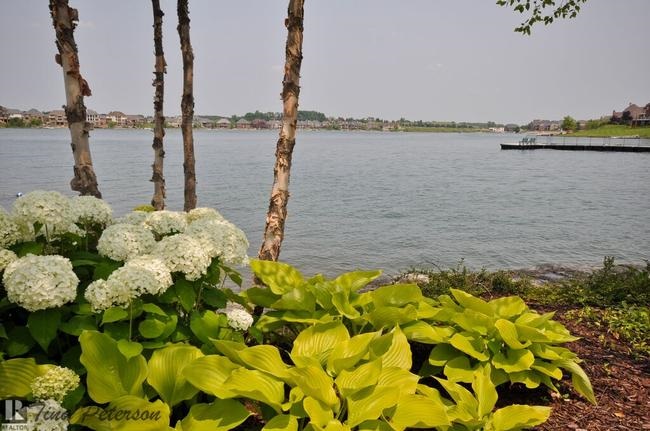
pixel 595 141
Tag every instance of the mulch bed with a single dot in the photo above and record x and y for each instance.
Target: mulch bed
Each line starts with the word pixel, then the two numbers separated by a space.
pixel 620 381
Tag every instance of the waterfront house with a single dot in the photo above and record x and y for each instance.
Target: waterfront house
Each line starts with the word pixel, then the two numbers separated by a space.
pixel 243 124
pixel 34 115
pixel 259 123
pixel 92 117
pixel 4 115
pixel 223 123
pixel 633 115
pixel 57 118
pixel 117 118
pixel 135 120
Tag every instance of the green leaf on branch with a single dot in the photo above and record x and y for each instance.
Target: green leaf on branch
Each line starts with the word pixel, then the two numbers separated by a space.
pixel 43 325
pixel 114 314
pixel 186 294
pixel 128 348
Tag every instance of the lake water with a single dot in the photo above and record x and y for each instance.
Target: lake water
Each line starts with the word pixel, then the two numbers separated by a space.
pixel 375 200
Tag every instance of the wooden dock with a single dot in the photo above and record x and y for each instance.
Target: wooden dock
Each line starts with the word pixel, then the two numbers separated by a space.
pixel 626 145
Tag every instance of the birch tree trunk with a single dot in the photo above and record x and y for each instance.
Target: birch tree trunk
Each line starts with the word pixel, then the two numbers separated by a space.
pixel 187 104
pixel 277 213
pixel 64 20
pixel 158 200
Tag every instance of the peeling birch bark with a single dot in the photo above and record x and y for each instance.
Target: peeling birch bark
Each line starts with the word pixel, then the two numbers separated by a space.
pixel 158 179
pixel 277 213
pixel 187 105
pixel 64 20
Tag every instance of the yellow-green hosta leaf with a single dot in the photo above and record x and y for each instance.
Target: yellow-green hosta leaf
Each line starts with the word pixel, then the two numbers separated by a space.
pixel 531 378
pixel 345 355
pixel 533 319
pixel 486 392
pixel 370 403
pixel 514 360
pixel 341 300
pixel 516 417
pixel 110 374
pixel 335 425
pixel 547 368
pixel 375 425
pixel 579 379
pixel 394 350
pixel 299 299
pixel 209 374
pixel 423 332
pixel 417 411
pixel 353 281
pixel 17 375
pixel 220 415
pixel 397 295
pixel 459 370
pixel 282 423
pixel 230 349
pixel 280 277
pixel 256 385
pixel 470 344
pixel 349 382
pixel 265 358
pixel 508 307
pixel 443 353
pixel 166 372
pixel 460 395
pixel 399 379
pixel 532 334
pixel 427 310
pixel 319 413
pixel 508 332
pixel 314 382
pixel 318 341
pixel 389 317
pixel 126 413
pixel 474 321
pixel 472 302
pixel 261 296
pixel 558 333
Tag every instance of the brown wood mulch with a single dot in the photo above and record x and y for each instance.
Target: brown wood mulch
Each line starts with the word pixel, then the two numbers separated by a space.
pixel 621 383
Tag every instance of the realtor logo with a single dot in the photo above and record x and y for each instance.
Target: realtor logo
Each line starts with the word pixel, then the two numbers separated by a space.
pixel 13 420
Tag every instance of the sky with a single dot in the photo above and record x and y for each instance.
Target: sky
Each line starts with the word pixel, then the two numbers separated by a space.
pixel 442 60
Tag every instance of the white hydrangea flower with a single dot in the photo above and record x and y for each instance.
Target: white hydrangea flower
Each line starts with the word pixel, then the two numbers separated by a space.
pixel 140 276
pixel 134 217
pixel 6 257
pixel 124 241
pixel 88 210
pixel 157 267
pixel 238 317
pixel 183 253
pixel 55 384
pixel 50 209
pixel 202 213
pixel 10 232
pixel 46 415
pixel 40 282
pixel 220 238
pixel 166 222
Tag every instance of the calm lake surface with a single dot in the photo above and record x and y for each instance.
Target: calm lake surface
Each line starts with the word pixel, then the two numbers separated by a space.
pixel 375 200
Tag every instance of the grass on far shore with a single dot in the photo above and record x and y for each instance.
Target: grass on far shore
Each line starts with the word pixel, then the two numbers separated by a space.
pixel 614 130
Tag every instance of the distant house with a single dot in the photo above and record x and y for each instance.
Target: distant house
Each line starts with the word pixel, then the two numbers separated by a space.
pixel 135 120
pixel 275 124
pixel 202 122
pixel 117 117
pixel 633 115
pixel 544 126
pixel 4 115
pixel 512 128
pixel 34 115
pixel 92 117
pixel 223 123
pixel 57 118
pixel 243 124
pixel 258 123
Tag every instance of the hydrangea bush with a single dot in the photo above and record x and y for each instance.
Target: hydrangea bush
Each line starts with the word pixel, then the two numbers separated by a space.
pixel 127 324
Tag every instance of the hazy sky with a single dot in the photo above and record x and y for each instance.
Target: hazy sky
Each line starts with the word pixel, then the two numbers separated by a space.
pixel 448 60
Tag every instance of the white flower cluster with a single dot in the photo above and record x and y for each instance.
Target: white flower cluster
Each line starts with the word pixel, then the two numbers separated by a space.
pixel 88 210
pixel 9 230
pixel 50 209
pixel 134 217
pixel 55 384
pixel 124 241
pixel 238 318
pixel 6 257
pixel 40 282
pixel 220 238
pixel 166 222
pixel 47 415
pixel 182 253
pixel 201 213
pixel 140 276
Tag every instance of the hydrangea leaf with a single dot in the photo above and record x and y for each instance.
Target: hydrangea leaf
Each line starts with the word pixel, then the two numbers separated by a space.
pixel 43 325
